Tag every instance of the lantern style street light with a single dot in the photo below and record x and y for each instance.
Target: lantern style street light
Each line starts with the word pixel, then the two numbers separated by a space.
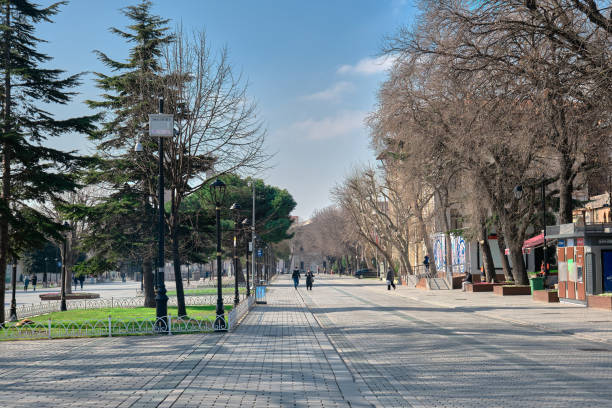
pixel 217 193
pixel 63 288
pixel 235 208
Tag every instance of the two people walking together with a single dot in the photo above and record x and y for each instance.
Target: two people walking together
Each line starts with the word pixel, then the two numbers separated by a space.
pixel 296 279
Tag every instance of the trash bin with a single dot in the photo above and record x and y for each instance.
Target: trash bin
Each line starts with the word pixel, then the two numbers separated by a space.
pixel 260 294
pixel 536 284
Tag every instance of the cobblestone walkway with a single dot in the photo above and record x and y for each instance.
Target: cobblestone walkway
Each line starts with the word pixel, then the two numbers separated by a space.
pixel 347 343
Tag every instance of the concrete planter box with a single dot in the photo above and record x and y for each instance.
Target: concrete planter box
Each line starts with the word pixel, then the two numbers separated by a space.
pixel 69 296
pixel 600 302
pixel 512 290
pixel 548 296
pixel 481 287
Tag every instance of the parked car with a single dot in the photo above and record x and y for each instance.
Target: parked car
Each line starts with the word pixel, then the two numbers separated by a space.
pixel 365 273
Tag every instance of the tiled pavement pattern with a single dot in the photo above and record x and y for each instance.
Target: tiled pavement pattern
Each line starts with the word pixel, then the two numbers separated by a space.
pixel 402 349
pixel 278 356
pixel 411 353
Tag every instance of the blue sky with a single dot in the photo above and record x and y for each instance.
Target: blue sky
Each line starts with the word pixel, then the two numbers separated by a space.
pixel 312 67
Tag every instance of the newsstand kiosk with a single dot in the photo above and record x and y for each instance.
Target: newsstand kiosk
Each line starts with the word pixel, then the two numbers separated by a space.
pixel 584 258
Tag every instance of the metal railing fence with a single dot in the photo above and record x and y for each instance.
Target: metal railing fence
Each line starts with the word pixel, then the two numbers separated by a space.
pixel 109 327
pixel 50 306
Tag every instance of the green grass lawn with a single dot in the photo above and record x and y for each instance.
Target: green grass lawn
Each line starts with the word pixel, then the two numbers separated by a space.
pixel 207 291
pixel 124 321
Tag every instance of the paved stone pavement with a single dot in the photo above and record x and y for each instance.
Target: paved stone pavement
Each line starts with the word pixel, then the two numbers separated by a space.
pixel 346 343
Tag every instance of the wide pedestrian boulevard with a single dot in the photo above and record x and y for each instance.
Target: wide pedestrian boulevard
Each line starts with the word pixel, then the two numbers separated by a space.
pixel 347 343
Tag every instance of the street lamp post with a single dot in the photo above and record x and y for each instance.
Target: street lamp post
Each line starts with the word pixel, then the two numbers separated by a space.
pixel 217 191
pixel 253 270
pixel 545 257
pixel 13 312
pixel 160 126
pixel 63 287
pixel 235 208
pixel 245 224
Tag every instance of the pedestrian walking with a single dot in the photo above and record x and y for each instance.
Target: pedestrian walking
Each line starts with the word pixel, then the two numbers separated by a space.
pixel 296 277
pixel 390 279
pixel 309 280
pixel 34 281
pixel 75 280
pixel 426 263
pixel 81 280
pixel 26 282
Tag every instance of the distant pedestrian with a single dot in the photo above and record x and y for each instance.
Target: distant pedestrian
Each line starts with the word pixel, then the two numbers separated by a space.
pixel 309 280
pixel 296 278
pixel 34 280
pixel 390 279
pixel 122 276
pixel 26 282
pixel 468 279
pixel 75 280
pixel 81 280
pixel 426 263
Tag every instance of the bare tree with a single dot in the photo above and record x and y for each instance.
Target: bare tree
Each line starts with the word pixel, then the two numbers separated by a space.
pixel 217 130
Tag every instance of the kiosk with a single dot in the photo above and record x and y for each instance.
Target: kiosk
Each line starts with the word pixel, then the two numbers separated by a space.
pixel 584 257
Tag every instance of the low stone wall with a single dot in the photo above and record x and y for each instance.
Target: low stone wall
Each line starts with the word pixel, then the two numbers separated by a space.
pixel 548 296
pixel 600 302
pixel 69 296
pixel 511 290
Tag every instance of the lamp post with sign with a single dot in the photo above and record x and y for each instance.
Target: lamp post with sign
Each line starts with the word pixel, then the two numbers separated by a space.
pixel 161 126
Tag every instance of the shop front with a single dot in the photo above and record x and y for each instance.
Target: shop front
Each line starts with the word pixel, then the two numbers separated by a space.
pixel 584 260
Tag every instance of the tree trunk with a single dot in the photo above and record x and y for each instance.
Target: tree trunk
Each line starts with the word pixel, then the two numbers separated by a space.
pixel 566 189
pixel 239 274
pixel 518 265
pixel 501 244
pixel 178 278
pixel 426 238
pixel 6 160
pixel 147 283
pixel 68 283
pixel 487 258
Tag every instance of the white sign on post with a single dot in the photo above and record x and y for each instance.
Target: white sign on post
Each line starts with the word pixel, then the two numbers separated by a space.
pixel 161 125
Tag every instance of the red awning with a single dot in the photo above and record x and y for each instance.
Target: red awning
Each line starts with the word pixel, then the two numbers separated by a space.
pixel 534 241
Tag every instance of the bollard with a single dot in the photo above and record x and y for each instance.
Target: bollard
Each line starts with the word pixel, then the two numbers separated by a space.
pixel 49 326
pixel 169 324
pixel 110 327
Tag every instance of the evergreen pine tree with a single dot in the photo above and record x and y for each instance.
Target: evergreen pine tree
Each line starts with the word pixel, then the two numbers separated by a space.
pixel 30 171
pixel 129 96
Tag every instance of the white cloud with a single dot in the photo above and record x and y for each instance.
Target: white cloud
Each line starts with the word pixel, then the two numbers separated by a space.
pixel 330 127
pixel 332 93
pixel 369 66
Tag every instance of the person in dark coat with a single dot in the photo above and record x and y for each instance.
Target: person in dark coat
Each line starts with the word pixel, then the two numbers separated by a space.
pixel 75 280
pixel 26 282
pixel 34 281
pixel 296 277
pixel 81 280
pixel 390 279
pixel 468 279
pixel 309 280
